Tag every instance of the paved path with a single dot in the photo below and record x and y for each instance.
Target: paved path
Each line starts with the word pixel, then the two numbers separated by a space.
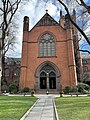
pixel 43 110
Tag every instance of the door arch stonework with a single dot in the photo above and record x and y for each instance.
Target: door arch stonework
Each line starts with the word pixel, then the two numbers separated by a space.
pixel 53 82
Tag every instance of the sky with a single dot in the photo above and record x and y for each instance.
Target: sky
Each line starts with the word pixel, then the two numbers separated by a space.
pixel 35 9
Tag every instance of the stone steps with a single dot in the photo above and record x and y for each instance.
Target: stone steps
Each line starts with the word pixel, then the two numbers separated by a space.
pixel 44 91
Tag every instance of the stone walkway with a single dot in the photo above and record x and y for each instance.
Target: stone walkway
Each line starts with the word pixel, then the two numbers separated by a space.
pixel 43 110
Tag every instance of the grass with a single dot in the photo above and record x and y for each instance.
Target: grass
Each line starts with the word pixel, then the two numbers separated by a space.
pixel 14 107
pixel 73 108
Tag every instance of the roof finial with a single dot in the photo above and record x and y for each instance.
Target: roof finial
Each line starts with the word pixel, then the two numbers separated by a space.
pixel 46 11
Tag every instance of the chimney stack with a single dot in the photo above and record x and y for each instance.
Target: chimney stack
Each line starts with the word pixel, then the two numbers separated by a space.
pixel 26 23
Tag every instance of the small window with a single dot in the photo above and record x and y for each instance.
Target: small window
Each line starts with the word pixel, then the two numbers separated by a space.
pixel 7 72
pixel 84 61
pixel 17 72
pixel 85 69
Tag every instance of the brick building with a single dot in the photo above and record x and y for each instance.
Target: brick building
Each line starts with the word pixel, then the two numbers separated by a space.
pixel 86 68
pixel 12 72
pixel 48 54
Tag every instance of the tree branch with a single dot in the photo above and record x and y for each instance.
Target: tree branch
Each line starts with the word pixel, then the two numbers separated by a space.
pixel 1 9
pixel 84 51
pixel 80 30
pixel 84 5
pixel 14 11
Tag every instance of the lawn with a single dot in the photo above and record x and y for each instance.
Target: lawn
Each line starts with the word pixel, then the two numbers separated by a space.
pixel 14 107
pixel 73 108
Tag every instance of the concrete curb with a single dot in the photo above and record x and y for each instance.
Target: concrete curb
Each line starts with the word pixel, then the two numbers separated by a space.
pixel 26 114
pixel 55 111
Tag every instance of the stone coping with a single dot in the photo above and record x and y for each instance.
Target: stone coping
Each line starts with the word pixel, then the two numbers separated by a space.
pixel 55 111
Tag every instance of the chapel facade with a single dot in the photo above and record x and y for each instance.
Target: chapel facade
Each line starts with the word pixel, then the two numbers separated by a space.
pixel 48 55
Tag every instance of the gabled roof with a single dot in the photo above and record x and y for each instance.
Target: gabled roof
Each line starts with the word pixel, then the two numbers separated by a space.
pixel 47 20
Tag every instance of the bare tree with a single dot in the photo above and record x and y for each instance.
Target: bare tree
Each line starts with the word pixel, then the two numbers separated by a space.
pixel 8 9
pixel 75 24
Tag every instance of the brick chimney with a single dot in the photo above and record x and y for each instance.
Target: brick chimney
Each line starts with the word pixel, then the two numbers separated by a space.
pixel 24 52
pixel 67 22
pixel 26 23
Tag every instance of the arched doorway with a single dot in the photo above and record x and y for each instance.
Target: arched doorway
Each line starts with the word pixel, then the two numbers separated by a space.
pixel 47 80
pixel 47 77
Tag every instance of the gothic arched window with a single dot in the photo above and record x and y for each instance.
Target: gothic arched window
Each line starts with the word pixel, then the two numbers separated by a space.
pixel 47 45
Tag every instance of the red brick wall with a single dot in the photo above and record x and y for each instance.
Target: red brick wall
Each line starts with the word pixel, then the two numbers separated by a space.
pixel 64 58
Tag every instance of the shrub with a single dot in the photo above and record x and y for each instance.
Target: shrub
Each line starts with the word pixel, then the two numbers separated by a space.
pixel 13 88
pixel 83 88
pixel 4 88
pixel 67 89
pixel 26 89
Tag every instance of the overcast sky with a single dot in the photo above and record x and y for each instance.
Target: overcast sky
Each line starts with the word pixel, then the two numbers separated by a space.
pixel 35 10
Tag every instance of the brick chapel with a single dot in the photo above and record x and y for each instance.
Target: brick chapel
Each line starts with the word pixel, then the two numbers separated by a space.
pixel 48 54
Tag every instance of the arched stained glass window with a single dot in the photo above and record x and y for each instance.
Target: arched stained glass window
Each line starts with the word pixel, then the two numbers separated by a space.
pixel 47 45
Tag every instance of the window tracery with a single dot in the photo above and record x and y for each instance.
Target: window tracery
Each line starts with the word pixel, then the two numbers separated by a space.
pixel 47 45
